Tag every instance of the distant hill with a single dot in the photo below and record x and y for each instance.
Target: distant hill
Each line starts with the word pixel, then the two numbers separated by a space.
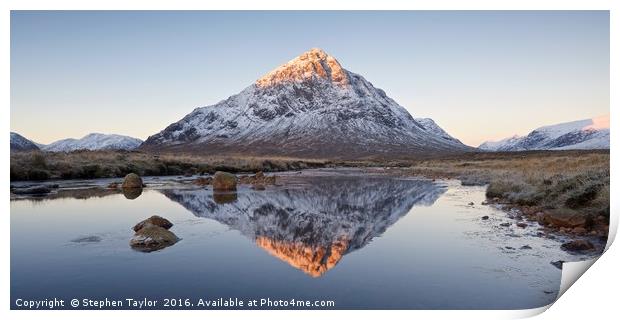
pixel 19 143
pixel 94 141
pixel 581 134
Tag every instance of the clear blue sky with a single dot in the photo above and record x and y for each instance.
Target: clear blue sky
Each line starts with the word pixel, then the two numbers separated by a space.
pixel 480 75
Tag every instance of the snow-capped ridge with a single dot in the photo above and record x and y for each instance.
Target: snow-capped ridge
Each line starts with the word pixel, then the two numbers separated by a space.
pixel 581 134
pixel 94 141
pixel 20 143
pixel 432 127
pixel 312 63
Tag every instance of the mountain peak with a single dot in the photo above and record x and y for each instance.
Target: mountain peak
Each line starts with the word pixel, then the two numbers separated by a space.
pixel 312 64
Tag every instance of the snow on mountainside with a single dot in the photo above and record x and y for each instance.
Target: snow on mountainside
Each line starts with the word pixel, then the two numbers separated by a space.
pixel 500 144
pixel 19 143
pixel 432 127
pixel 581 134
pixel 94 141
pixel 310 107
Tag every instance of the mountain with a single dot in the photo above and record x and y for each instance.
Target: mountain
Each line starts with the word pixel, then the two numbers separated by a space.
pixel 19 143
pixel 430 126
pixel 314 225
pixel 310 107
pixel 582 134
pixel 94 141
pixel 500 144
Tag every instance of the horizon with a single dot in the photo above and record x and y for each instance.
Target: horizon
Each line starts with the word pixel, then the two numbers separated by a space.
pixel 148 66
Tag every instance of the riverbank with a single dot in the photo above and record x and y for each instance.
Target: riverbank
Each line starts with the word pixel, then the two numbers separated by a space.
pixel 39 166
pixel 564 191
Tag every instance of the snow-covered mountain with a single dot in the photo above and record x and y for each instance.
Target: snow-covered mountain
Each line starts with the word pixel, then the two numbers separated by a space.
pixel 94 141
pixel 582 134
pixel 432 127
pixel 311 107
pixel 19 143
pixel 312 226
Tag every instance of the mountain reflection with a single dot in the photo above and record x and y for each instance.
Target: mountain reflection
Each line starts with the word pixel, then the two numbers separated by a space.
pixel 313 225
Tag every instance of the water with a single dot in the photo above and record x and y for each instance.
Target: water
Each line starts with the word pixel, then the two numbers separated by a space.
pixel 360 241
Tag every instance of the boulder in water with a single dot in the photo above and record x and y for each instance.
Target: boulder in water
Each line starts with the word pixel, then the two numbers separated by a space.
pixel 132 180
pixel 152 238
pixel 154 220
pixel 224 181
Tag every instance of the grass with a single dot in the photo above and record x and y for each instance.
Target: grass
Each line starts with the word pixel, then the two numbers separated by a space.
pixel 39 165
pixel 564 183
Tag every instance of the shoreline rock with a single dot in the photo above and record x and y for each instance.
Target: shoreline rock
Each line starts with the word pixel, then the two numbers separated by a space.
pixel 577 246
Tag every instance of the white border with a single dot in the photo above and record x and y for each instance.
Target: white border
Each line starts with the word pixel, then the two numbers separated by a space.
pixel 592 296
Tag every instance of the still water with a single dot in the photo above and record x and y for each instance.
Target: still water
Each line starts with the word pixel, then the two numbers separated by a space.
pixel 359 240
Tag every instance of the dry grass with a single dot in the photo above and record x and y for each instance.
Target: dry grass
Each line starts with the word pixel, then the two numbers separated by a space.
pixel 103 164
pixel 571 182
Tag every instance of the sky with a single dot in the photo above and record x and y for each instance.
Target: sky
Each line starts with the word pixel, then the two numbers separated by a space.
pixel 481 75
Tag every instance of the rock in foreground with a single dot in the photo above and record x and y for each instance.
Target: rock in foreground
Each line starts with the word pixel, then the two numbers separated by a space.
pixel 152 234
pixel 132 180
pixel 224 181
pixel 154 220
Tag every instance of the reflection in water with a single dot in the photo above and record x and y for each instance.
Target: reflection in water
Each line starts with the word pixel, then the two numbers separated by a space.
pixel 132 193
pixel 311 227
pixel 83 194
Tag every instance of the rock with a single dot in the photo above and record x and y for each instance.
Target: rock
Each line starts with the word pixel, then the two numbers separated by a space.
pixel 154 220
pixel 224 181
pixel 258 178
pixel 484 203
pixel 578 246
pixel 558 264
pixel 521 224
pixel 258 186
pixel 526 247
pixel 132 180
pixel 509 248
pixel 36 190
pixel 152 238
pixel 505 224
pixel 567 221
pixel 203 181
pixel 471 203
pixel 540 217
pixel 485 218
pixel 579 230
pixel 132 193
